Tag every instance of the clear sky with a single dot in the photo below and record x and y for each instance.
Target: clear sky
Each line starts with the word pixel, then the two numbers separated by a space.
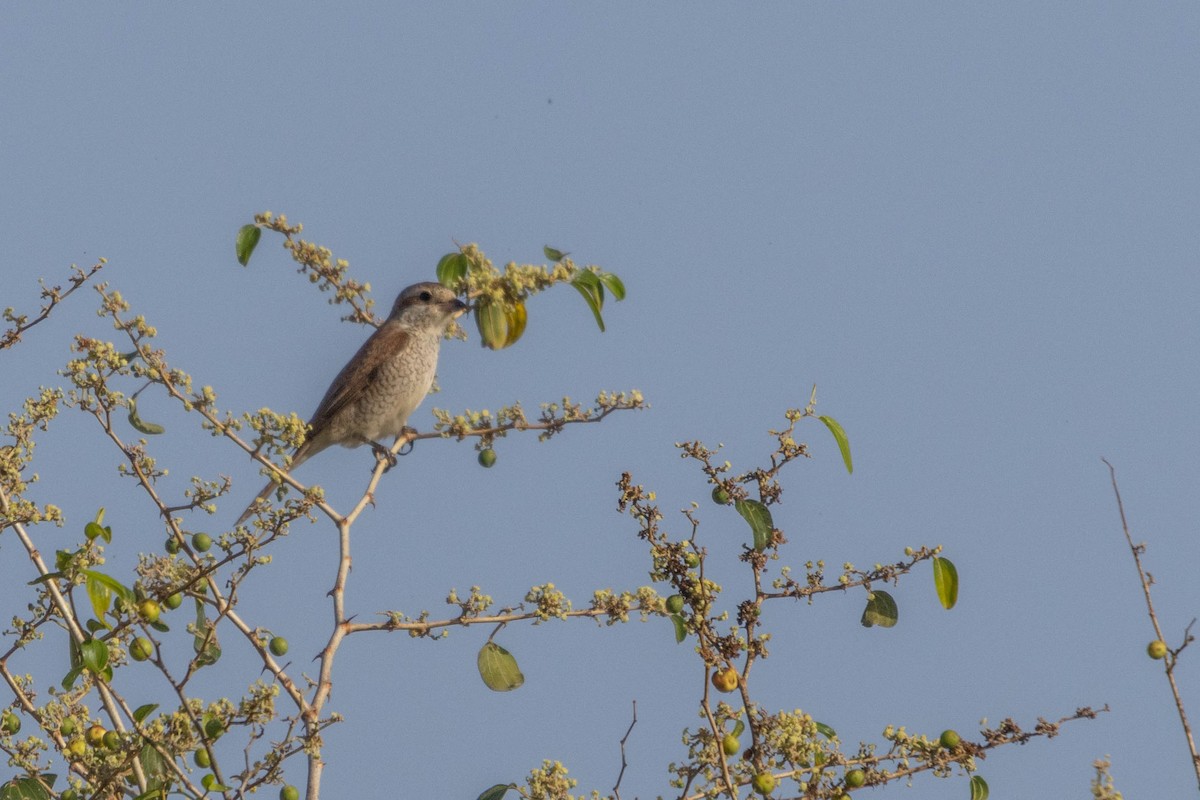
pixel 972 225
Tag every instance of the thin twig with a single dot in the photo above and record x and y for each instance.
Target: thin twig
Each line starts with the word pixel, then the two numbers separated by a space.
pixel 1172 656
pixel 617 786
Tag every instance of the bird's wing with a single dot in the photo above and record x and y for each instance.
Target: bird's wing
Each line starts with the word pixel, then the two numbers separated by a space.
pixel 359 373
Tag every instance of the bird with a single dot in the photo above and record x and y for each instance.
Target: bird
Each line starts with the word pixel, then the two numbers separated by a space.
pixel 385 381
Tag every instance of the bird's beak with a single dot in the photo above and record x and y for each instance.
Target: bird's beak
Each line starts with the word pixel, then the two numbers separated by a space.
pixel 458 308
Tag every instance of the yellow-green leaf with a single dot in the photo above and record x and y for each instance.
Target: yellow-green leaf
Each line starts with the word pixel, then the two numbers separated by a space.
pixel 843 442
pixel 141 425
pixel 680 628
pixel 247 240
pixel 979 788
pixel 614 284
pixel 592 290
pixel 498 668
pixel 759 517
pixel 496 792
pixel 881 610
pixel 554 255
pixel 451 270
pixel 492 324
pixel 516 317
pixel 945 580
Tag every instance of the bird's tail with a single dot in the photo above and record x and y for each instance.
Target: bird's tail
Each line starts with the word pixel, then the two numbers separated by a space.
pixel 298 458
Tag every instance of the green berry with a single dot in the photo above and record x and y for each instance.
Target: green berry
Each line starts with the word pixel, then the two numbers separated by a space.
pixel 112 740
pixel 201 542
pixel 949 739
pixel 67 727
pixel 730 745
pixel 855 778
pixel 77 748
pixel 172 545
pixel 278 645
pixel 763 783
pixel 213 729
pixel 691 559
pixel 675 603
pixel 173 601
pixel 1157 649
pixel 487 457
pixel 202 758
pixel 141 649
pixel 10 723
pixel 720 496
pixel 289 792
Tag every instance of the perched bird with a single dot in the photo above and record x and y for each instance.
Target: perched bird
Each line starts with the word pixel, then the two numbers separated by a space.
pixel 387 379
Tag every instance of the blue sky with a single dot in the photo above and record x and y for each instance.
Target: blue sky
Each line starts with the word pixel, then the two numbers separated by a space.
pixel 972 226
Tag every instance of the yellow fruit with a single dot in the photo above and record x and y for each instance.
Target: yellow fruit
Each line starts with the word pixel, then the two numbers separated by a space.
pixel 173 601
pixel 141 648
pixel 730 745
pixel 289 792
pixel 77 747
pixel 150 609
pixel 1157 649
pixel 725 680
pixel 95 735
pixel 763 783
pixel 202 759
pixel 855 778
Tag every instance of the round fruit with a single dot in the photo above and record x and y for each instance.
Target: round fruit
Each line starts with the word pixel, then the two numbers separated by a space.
pixel 691 559
pixel 725 680
pixel 77 748
pixel 675 603
pixel 720 496
pixel 95 735
pixel 10 723
pixel 201 542
pixel 150 609
pixel 730 745
pixel 112 740
pixel 202 758
pixel 949 739
pixel 289 792
pixel 172 546
pixel 855 778
pixel 1157 649
pixel 213 729
pixel 69 794
pixel 278 645
pixel 141 648
pixel 763 783
pixel 67 727
pixel 487 457
pixel 173 601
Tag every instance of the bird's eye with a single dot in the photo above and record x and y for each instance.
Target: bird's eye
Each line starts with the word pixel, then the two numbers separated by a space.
pixel 426 297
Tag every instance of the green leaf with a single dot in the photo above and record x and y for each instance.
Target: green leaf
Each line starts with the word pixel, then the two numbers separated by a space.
pixel 114 585
pixel 680 628
pixel 979 788
pixel 144 711
pixel 100 595
pixel 208 652
pixel 826 731
pixel 492 324
pixel 247 240
pixel 759 517
pixel 27 788
pixel 592 290
pixel 73 675
pixel 614 284
pixel 496 792
pixel 554 255
pixel 945 579
pixel 139 424
pixel 95 655
pixel 843 442
pixel 881 610
pixel 451 270
pixel 498 668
